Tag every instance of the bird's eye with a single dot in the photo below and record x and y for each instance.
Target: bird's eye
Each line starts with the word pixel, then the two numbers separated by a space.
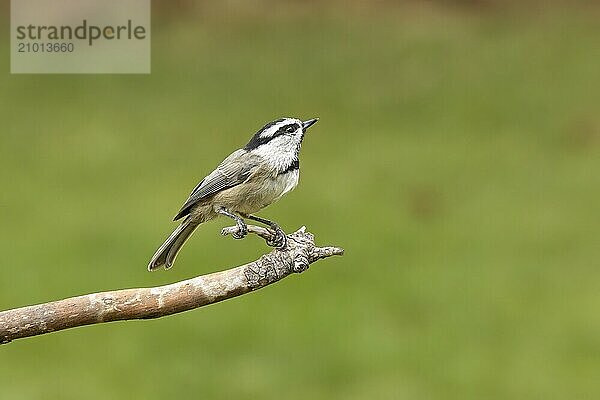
pixel 290 129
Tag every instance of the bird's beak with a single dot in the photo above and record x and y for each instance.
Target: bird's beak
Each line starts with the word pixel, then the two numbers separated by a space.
pixel 309 123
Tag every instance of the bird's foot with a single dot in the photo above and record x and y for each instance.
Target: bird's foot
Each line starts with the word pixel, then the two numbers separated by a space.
pixel 279 238
pixel 239 231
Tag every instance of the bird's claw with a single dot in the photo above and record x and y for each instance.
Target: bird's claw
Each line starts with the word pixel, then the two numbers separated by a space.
pixel 278 240
pixel 242 231
pixel 238 231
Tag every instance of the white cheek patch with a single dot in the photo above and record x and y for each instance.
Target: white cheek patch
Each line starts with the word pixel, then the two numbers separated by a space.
pixel 279 154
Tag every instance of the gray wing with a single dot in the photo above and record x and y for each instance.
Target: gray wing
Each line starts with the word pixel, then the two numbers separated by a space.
pixel 234 170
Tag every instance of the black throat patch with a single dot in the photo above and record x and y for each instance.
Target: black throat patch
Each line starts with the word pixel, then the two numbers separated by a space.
pixel 295 165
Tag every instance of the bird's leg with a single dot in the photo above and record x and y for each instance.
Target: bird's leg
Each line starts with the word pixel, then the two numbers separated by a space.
pixel 280 239
pixel 242 228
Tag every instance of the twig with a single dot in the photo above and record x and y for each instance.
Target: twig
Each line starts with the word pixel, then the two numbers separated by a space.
pixel 156 302
pixel 257 230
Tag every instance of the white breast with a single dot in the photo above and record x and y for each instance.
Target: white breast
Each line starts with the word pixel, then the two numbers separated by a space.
pixel 288 181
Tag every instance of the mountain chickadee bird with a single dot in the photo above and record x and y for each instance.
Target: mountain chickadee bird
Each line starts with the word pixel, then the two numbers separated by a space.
pixel 248 180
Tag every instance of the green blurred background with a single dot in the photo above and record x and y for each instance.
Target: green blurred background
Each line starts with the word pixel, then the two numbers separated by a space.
pixel 457 160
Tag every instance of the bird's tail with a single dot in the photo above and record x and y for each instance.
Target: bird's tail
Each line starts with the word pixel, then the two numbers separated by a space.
pixel 165 255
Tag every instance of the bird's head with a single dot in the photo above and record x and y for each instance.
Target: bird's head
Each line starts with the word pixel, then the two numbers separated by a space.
pixel 283 135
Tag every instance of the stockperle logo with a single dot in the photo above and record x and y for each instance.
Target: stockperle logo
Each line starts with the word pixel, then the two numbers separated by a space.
pixel 80 36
